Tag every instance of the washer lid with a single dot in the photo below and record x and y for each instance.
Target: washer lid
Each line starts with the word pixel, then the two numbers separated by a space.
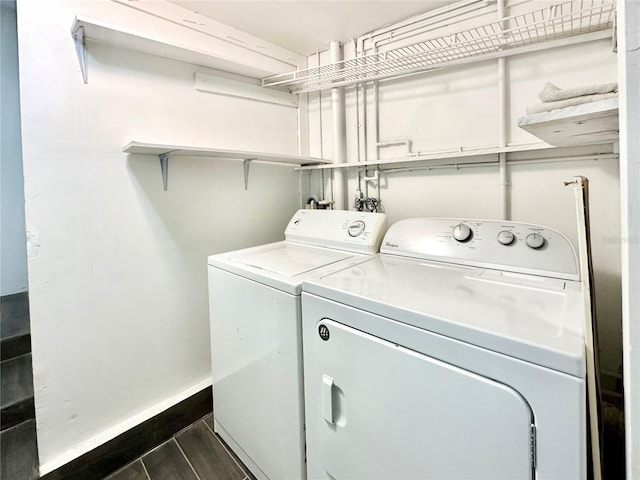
pixel 290 259
pixel 536 319
pixel 283 265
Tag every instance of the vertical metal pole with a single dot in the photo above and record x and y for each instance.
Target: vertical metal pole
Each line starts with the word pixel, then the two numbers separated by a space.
pixel 339 133
pixel 503 113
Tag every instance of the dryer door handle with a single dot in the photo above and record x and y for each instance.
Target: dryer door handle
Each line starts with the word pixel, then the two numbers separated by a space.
pixel 327 398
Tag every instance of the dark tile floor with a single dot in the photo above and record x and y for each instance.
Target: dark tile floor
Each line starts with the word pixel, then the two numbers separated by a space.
pixel 15 378
pixel 15 315
pixel 19 452
pixel 195 453
pixel 18 447
pixel 15 338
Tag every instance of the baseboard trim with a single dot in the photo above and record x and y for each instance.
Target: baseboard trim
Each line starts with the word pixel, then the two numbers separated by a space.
pixel 126 447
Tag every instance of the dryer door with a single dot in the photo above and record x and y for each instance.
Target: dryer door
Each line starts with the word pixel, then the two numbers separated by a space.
pixel 382 411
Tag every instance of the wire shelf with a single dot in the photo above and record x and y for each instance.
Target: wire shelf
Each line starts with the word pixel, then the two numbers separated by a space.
pixel 555 22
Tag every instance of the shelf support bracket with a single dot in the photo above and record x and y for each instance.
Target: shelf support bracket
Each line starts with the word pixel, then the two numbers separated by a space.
pixel 81 51
pixel 246 163
pixel 164 167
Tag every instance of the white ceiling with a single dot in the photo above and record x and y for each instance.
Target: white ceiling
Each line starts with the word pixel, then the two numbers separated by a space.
pixel 307 26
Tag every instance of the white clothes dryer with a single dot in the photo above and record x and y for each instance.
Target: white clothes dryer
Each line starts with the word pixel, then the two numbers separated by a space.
pixel 256 333
pixel 457 353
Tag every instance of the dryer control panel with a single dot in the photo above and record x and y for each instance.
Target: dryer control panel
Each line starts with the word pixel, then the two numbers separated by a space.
pixel 510 246
pixel 360 232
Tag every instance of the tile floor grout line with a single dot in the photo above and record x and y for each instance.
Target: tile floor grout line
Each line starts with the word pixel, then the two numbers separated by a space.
pixel 154 448
pixel 13 358
pixel 124 467
pixel 228 450
pixel 186 458
pixel 194 422
pixel 144 467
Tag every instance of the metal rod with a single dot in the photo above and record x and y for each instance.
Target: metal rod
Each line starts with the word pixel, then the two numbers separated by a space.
pixel 339 132
pixel 502 123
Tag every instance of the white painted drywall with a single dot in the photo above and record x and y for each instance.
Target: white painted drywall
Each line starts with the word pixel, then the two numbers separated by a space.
pixel 13 242
pixel 458 107
pixel 629 72
pixel 117 266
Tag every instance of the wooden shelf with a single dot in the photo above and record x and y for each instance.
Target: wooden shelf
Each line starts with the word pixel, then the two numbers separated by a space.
pixel 164 152
pixel 589 123
pixel 253 65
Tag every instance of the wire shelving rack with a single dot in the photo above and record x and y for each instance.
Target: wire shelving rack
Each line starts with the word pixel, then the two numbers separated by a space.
pixel 511 35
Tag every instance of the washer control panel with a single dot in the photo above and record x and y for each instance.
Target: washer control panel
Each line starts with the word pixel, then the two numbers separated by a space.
pixel 510 246
pixel 360 232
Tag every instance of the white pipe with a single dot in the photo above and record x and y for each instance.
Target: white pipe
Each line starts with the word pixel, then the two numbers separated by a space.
pixel 376 126
pixel 502 127
pixel 492 163
pixel 361 131
pixel 324 182
pixel 435 16
pixel 376 118
pixel 411 22
pixel 389 143
pixel 339 132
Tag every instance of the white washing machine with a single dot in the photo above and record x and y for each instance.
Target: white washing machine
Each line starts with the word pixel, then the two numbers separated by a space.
pixel 457 353
pixel 256 333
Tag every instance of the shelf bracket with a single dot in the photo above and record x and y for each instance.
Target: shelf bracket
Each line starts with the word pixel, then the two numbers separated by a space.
pixel 164 167
pixel 81 51
pixel 246 163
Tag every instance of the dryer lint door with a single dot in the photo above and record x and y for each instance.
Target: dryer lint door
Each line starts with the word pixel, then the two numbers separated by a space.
pixel 377 410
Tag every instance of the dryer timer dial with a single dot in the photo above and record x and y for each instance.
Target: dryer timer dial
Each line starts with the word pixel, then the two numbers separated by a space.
pixel 505 237
pixel 535 241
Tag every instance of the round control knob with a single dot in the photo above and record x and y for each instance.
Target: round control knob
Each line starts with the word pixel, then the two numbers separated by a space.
pixel 505 237
pixel 534 240
pixel 356 228
pixel 462 232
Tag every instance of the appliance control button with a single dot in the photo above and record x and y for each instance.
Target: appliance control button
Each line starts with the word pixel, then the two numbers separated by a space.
pixel 462 232
pixel 356 228
pixel 505 237
pixel 534 240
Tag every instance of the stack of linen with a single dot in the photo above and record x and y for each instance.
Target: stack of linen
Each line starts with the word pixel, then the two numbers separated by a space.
pixel 553 97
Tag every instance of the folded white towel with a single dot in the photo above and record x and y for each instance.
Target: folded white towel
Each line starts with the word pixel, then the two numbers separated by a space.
pixel 551 93
pixel 570 102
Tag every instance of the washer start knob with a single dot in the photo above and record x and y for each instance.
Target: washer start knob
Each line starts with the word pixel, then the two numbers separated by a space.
pixel 535 240
pixel 462 232
pixel 356 228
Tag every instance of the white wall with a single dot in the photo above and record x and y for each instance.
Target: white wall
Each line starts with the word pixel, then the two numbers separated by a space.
pixel 629 71
pixel 13 243
pixel 458 107
pixel 117 266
